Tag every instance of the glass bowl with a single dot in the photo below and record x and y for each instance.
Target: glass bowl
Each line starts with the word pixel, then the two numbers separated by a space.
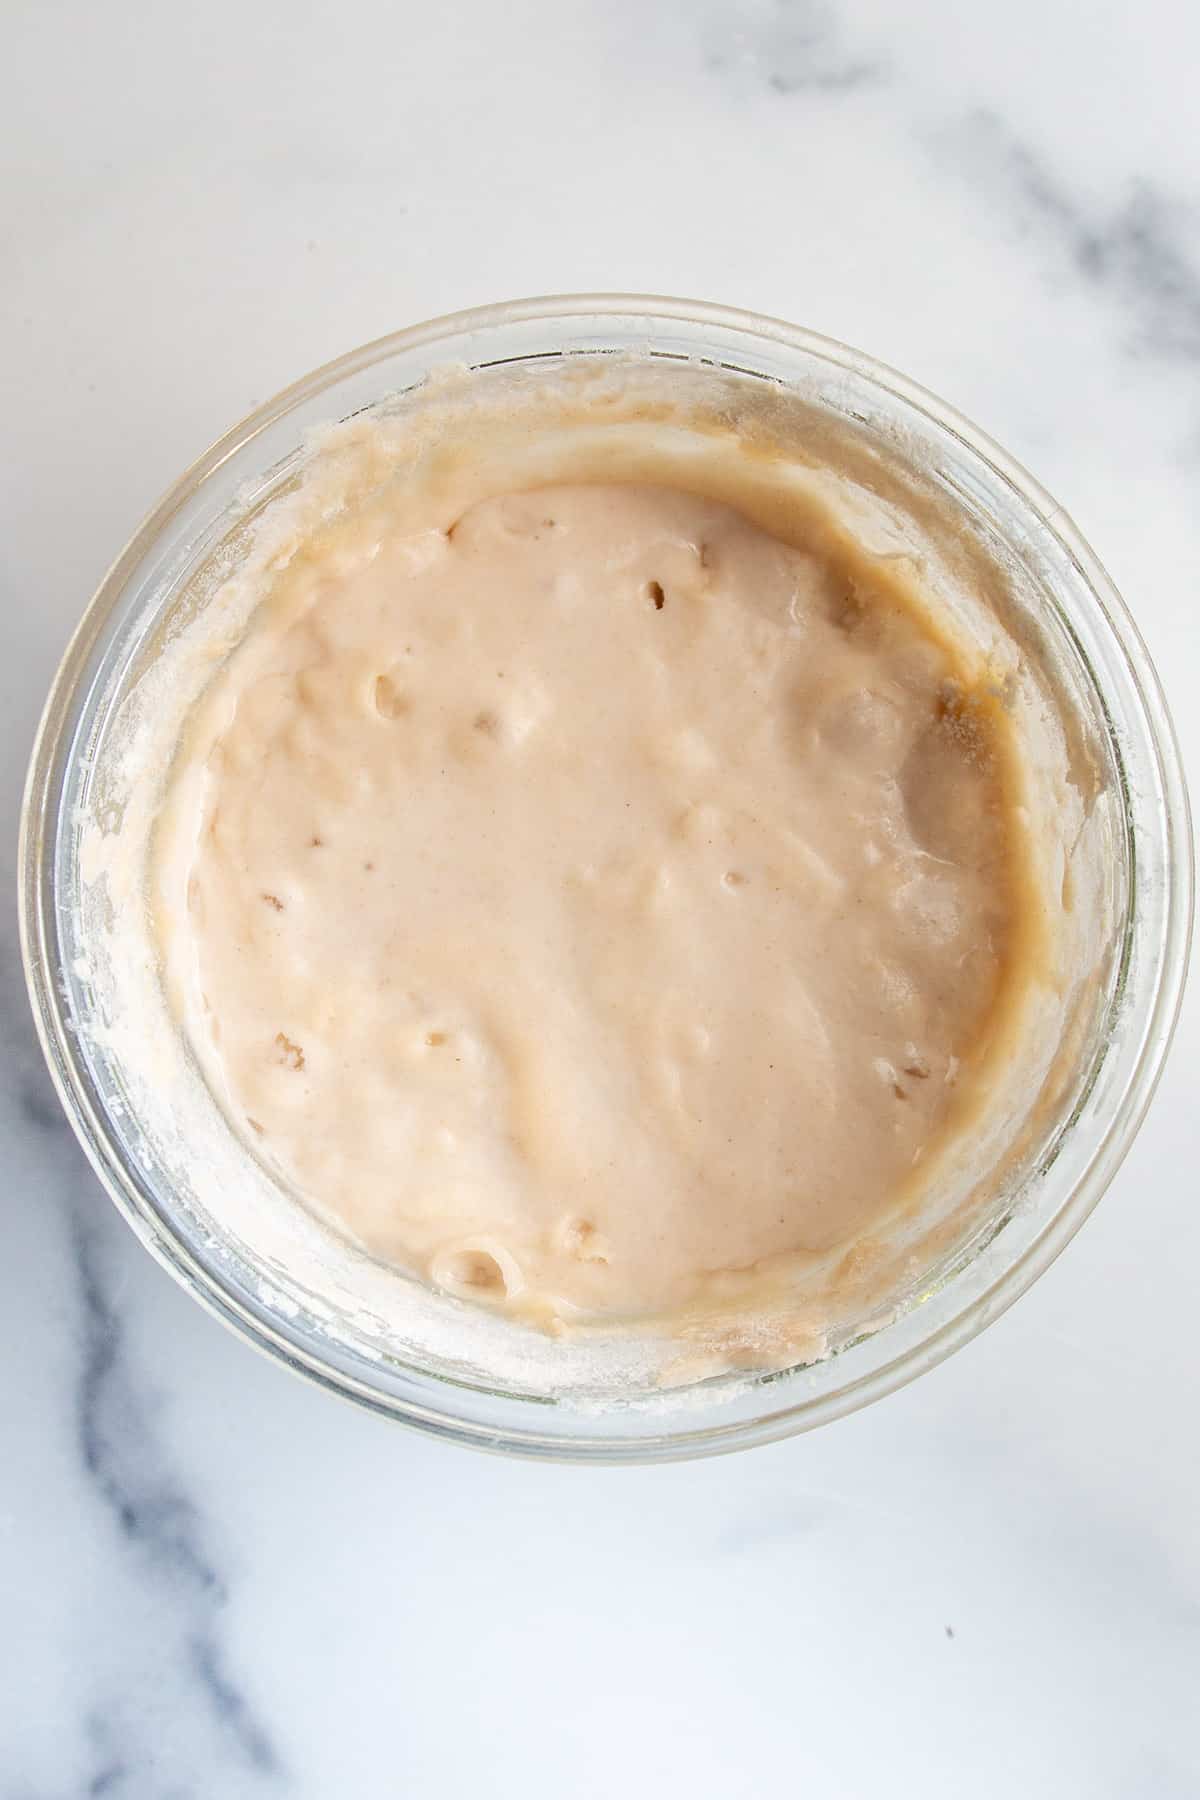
pixel 1126 884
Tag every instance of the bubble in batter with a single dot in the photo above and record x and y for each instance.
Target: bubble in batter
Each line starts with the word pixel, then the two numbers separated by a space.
pixel 588 900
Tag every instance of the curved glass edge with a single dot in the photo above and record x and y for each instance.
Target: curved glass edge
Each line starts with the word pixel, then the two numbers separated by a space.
pixel 1166 884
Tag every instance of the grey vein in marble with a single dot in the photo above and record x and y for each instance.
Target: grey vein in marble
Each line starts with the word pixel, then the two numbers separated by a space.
pixel 116 1441
pixel 1141 253
pixel 127 1468
pixel 792 47
pixel 170 1563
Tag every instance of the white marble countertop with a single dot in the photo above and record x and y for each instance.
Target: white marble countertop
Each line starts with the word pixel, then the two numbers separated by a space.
pixel 216 1582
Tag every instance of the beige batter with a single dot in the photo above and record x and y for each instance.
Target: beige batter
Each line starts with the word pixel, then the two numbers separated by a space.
pixel 592 898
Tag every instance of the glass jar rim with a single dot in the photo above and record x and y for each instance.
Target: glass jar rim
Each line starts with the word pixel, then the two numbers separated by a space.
pixel 1157 1006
